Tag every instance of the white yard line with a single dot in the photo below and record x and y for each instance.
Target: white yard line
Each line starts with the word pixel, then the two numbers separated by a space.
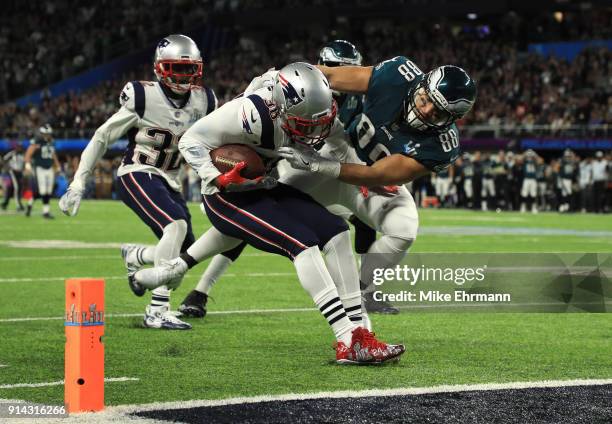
pixel 123 277
pixel 130 315
pixel 89 257
pixel 299 310
pixel 61 382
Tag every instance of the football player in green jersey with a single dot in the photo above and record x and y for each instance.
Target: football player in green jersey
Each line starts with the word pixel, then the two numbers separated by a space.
pixel 41 153
pixel 406 130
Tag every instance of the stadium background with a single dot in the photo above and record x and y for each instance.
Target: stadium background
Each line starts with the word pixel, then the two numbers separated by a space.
pixel 544 74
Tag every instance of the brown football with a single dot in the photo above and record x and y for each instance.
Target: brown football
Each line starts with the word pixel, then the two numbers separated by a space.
pixel 227 156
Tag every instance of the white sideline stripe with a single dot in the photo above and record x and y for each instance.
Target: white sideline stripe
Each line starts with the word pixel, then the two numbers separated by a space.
pixel 91 257
pixel 287 310
pixel 60 382
pixel 525 269
pixel 3 366
pixel 129 315
pixel 123 277
pixel 356 394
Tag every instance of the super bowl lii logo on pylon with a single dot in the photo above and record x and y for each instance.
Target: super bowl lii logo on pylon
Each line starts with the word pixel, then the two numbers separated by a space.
pixel 89 317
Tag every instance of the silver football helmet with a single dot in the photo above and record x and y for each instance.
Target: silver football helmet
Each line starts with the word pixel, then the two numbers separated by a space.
pixel 178 63
pixel 306 106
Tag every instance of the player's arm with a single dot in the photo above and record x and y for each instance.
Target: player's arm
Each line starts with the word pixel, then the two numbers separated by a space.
pixel 32 148
pixel 348 79
pixel 232 123
pixel 392 170
pixel 109 132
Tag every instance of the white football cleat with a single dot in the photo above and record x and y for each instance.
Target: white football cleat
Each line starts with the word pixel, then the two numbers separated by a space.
pixel 164 319
pixel 168 273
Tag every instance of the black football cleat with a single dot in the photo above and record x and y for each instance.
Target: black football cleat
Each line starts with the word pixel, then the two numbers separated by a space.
pixel 378 306
pixel 194 304
pixel 48 216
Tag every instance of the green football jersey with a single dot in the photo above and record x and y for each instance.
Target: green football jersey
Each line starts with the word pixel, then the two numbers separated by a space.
pixel 380 130
pixel 529 168
pixel 43 156
pixel 568 169
pixel 349 106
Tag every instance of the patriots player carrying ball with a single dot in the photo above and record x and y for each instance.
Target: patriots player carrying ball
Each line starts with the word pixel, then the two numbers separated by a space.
pixel 293 106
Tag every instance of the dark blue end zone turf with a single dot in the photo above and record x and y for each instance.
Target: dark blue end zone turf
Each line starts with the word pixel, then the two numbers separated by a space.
pixel 576 404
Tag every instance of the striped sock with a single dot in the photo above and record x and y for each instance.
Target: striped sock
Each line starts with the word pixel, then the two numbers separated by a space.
pixel 332 309
pixel 143 255
pixel 352 306
pixel 160 298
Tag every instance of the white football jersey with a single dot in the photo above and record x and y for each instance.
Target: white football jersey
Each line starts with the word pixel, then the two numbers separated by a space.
pixel 251 119
pixel 153 125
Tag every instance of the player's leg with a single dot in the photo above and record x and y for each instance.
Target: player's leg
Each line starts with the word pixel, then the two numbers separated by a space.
pixel 272 225
pixel 152 200
pixel 194 304
pixel 468 189
pixel 524 196
pixel 334 241
pixel 8 190
pixel 45 188
pixel 18 187
pixel 396 218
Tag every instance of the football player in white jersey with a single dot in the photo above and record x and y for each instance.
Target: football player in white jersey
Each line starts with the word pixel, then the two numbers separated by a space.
pixel 154 115
pixel 283 108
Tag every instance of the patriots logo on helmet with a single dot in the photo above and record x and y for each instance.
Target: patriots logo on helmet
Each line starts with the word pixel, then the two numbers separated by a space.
pixel 163 43
pixel 291 96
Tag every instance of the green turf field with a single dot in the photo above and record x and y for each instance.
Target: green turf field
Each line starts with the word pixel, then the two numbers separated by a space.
pixel 242 354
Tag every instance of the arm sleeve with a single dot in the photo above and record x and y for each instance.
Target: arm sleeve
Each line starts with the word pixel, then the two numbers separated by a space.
pixel 116 126
pixel 224 126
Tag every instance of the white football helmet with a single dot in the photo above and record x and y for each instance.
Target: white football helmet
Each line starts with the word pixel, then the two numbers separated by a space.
pixel 178 63
pixel 306 106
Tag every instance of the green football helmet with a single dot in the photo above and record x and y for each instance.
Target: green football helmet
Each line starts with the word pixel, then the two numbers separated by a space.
pixel 450 89
pixel 339 53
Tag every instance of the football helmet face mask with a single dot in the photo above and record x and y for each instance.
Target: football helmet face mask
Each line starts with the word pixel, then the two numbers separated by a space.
pixel 178 63
pixel 306 107
pixel 452 93
pixel 339 53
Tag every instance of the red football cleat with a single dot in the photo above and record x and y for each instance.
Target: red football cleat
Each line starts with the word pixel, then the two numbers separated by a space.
pixel 343 354
pixel 367 350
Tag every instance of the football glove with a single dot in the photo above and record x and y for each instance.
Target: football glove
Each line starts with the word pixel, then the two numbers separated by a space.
pixel 70 202
pixel 232 181
pixel 310 160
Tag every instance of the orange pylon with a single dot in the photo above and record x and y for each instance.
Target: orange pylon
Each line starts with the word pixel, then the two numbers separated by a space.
pixel 84 353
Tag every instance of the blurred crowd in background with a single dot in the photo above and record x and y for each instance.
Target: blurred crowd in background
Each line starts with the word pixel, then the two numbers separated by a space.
pixel 519 93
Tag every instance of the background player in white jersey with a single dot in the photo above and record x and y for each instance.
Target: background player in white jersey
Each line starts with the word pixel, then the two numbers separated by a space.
pixel 41 152
pixel 293 106
pixel 153 115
